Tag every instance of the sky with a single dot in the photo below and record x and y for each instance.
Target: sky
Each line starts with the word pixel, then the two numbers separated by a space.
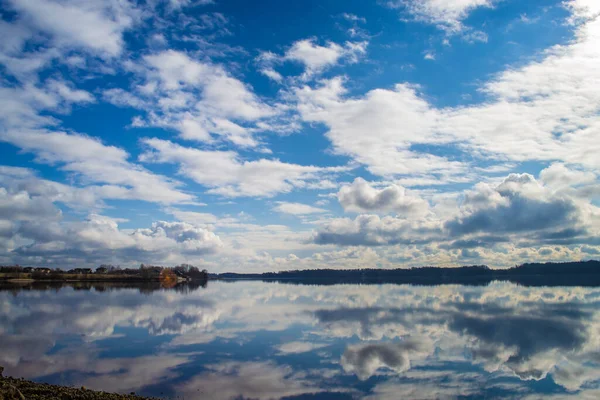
pixel 292 135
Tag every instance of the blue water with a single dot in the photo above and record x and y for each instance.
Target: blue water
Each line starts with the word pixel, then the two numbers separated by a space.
pixel 255 340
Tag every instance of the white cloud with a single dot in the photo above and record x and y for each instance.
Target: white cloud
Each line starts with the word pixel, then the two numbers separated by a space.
pixel 194 218
pixel 583 9
pixel 123 98
pixel 353 18
pixel 32 228
pixel 17 180
pixel 179 4
pixel 175 70
pixel 265 62
pixel 96 162
pixel 445 14
pixel 472 36
pixel 24 66
pixel 545 111
pixel 230 176
pixel 94 26
pixel 230 97
pixel 519 210
pixel 15 35
pixel 272 74
pixel 518 204
pixel 199 99
pixel 316 58
pixel 394 119
pixel 21 106
pixel 371 230
pixel 99 239
pixel 559 177
pixel 68 93
pixel 21 206
pixel 361 197
pixel 297 208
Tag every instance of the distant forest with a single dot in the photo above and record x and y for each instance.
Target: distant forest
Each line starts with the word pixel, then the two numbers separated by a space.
pixel 582 273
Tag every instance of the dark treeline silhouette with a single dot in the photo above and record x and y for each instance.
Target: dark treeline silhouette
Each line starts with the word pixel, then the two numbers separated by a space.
pixel 582 273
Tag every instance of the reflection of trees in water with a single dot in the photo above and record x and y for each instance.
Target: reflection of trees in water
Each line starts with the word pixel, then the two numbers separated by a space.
pixel 143 287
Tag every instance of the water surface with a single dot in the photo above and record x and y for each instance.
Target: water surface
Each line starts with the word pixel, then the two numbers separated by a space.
pixel 271 340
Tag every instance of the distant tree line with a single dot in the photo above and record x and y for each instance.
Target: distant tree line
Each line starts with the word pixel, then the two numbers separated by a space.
pixel 582 273
pixel 144 272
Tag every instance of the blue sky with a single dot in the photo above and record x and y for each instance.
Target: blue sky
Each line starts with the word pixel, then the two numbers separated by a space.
pixel 299 135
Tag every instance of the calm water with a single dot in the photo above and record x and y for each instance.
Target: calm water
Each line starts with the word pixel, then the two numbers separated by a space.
pixel 267 340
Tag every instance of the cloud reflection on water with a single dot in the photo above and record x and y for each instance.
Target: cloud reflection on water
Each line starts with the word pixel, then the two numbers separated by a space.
pixel 261 340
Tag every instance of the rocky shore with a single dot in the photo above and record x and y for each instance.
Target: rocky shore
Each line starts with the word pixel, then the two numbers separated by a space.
pixel 21 389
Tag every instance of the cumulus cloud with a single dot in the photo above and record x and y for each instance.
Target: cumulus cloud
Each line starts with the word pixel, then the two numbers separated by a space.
pixel 99 239
pixel 561 178
pixel 360 196
pixel 371 230
pixel 33 229
pixel 518 209
pixel 518 204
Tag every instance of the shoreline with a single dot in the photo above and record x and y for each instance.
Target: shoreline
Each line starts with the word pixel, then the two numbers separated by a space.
pixel 21 389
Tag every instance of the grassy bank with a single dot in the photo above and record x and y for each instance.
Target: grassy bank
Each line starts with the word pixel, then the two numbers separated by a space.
pixel 21 389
